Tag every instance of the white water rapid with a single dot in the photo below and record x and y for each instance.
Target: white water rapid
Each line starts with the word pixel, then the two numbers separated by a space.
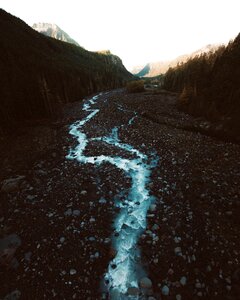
pixel 125 270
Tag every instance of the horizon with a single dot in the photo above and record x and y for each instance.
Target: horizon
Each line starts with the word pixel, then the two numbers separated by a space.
pixel 138 33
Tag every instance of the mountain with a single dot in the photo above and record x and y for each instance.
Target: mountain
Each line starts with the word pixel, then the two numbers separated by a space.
pixel 209 86
pixel 38 74
pixel 53 31
pixel 156 68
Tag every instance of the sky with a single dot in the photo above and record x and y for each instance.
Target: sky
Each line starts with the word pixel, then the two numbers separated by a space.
pixel 138 31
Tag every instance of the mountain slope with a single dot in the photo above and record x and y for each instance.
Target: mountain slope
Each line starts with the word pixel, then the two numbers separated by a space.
pixel 54 31
pixel 39 74
pixel 156 68
pixel 210 86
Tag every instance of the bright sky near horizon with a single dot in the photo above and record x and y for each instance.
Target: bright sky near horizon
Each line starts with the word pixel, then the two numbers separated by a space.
pixel 138 31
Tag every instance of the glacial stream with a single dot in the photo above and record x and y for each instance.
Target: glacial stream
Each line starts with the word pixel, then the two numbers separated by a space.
pixel 125 270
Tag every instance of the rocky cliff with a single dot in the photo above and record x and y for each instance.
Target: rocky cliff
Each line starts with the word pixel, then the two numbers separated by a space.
pixel 54 31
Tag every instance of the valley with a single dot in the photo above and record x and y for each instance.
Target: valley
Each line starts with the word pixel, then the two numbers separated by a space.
pixel 68 195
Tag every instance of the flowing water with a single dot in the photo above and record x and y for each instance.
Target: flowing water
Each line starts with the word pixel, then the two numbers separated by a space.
pixel 125 270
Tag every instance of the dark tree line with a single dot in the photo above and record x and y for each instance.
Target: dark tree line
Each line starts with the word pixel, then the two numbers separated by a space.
pixel 38 74
pixel 209 85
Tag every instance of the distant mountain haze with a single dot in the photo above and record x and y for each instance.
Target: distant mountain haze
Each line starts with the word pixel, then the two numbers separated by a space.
pixel 157 68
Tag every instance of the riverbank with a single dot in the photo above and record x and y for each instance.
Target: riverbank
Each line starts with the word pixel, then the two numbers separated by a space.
pixel 62 211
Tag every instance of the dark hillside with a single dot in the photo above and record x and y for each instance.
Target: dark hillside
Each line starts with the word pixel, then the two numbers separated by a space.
pixel 39 73
pixel 210 86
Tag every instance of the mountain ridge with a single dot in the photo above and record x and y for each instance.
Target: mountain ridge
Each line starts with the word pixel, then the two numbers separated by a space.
pixel 153 69
pixel 54 31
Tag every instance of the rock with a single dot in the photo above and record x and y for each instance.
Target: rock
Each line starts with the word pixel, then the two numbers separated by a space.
pixel 145 283
pixel 8 247
pixel 155 227
pixel 133 291
pixel 62 239
pixel 31 197
pixel 229 213
pixel 76 212
pixel 170 272
pixel 11 184
pixel 27 256
pixel 178 251
pixel 183 280
pixel 115 295
pixel 102 201
pixel 165 290
pixel 178 297
pixel 236 276
pixel 198 285
pixel 73 272
pixel 68 212
pixel 13 295
pixel 153 207
pixel 83 193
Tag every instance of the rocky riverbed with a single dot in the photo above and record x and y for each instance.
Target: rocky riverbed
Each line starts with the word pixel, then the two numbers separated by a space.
pixel 57 215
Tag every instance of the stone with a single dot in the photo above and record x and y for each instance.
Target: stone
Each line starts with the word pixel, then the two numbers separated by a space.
pixel 165 290
pixel 155 227
pixel 73 272
pixel 198 285
pixel 115 295
pixel 133 291
pixel 183 280
pixel 76 212
pixel 68 212
pixel 178 251
pixel 62 239
pixel 11 184
pixel 13 295
pixel 178 297
pixel 145 283
pixel 170 272
pixel 27 256
pixel 153 207
pixel 102 201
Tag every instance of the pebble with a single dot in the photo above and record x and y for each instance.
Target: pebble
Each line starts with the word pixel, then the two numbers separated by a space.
pixel 62 239
pixel 73 272
pixel 178 297
pixel 76 212
pixel 102 201
pixel 68 212
pixel 178 251
pixel 145 283
pixel 170 271
pixel 133 291
pixel 165 290
pixel 83 192
pixel 183 280
pixel 155 227
pixel 153 207
pixel 13 295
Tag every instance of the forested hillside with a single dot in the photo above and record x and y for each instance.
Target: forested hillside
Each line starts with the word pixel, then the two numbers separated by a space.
pixel 39 73
pixel 210 85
